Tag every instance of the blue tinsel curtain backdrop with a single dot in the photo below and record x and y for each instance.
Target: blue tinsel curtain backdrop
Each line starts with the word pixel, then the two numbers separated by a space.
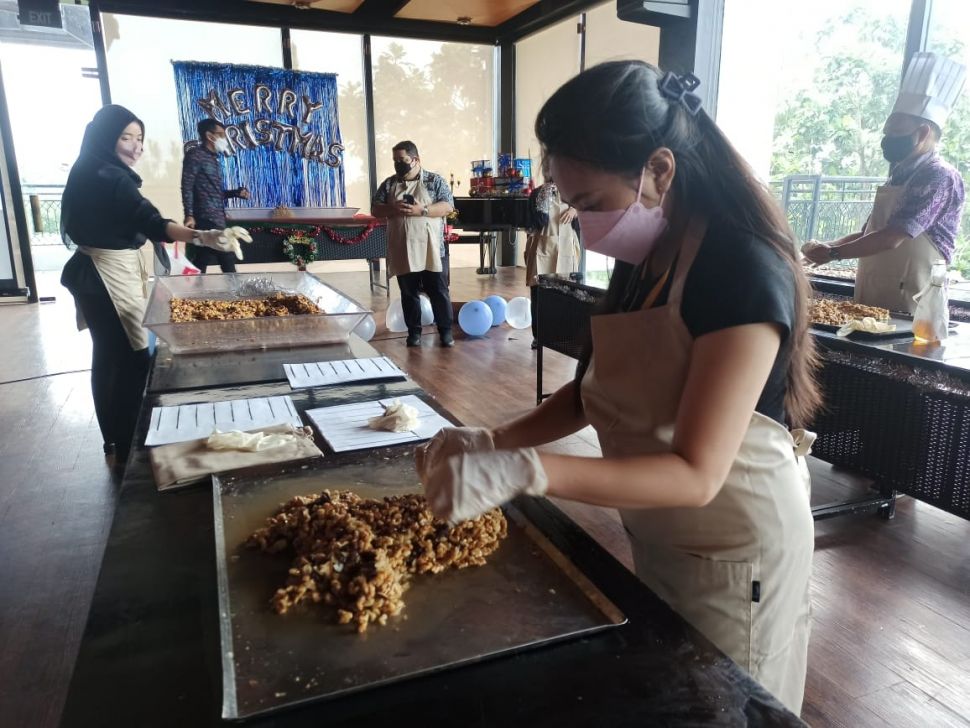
pixel 282 126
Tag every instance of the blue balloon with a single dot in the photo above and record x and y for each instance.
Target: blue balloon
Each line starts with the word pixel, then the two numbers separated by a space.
pixel 475 318
pixel 498 306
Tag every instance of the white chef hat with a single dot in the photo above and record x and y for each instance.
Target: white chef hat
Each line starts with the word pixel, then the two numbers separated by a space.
pixel 931 87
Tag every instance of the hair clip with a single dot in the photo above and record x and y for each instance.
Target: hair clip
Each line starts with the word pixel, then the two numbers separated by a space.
pixel 681 88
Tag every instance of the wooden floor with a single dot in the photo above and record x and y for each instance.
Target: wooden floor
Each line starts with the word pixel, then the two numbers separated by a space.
pixel 891 640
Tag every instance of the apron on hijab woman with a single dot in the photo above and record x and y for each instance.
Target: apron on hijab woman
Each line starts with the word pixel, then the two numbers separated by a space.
pixel 106 218
pixel 738 568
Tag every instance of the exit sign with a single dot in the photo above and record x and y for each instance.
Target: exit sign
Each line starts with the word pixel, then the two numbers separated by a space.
pixel 41 13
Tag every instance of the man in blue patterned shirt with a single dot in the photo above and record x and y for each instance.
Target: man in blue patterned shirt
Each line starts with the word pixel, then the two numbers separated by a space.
pixel 204 195
pixel 415 203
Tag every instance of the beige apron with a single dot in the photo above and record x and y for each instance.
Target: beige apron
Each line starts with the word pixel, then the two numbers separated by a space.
pixel 890 279
pixel 413 243
pixel 737 569
pixel 554 249
pixel 125 276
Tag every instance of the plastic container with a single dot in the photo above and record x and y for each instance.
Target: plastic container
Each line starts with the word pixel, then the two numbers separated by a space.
pixel 341 313
pixel 931 319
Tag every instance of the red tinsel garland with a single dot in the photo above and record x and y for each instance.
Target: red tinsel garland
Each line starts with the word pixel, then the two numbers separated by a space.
pixel 314 230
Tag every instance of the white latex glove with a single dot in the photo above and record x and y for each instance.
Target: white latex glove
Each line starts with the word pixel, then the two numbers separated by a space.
pixel 868 324
pixel 467 485
pixel 212 239
pixel 451 441
pixel 249 441
pixel 231 237
pixel 397 417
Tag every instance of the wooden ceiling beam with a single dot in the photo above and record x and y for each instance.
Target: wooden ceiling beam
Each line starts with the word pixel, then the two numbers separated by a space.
pixel 279 16
pixel 385 9
pixel 541 15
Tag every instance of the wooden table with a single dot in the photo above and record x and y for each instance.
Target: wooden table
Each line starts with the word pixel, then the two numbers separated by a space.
pixel 150 655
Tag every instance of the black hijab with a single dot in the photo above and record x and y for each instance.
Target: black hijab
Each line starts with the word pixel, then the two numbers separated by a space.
pixel 85 183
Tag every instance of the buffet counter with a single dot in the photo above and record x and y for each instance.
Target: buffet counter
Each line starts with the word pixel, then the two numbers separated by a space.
pixel 151 655
pixel 895 410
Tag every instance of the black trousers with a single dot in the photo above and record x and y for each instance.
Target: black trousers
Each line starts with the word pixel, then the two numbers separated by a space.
pixel 118 372
pixel 411 284
pixel 204 257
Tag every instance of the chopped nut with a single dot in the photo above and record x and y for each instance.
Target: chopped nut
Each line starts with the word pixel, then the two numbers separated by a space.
pixel 358 554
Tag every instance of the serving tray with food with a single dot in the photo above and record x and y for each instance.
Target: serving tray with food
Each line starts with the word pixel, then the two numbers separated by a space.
pixel 336 578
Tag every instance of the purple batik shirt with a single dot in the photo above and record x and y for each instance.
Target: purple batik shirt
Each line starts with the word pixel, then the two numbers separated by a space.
pixel 932 202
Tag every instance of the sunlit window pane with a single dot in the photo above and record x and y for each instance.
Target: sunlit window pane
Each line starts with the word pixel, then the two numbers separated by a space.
pixel 140 52
pixel 341 54
pixel 437 95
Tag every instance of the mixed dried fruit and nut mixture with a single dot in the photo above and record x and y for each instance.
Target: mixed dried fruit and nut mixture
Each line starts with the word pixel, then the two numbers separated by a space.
pixel 839 313
pixel 206 309
pixel 357 555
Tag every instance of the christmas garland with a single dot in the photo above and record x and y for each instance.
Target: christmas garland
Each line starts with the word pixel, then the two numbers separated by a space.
pixel 300 249
pixel 300 245
pixel 315 230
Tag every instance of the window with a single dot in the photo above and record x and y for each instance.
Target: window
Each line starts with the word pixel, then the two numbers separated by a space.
pixel 949 34
pixel 543 63
pixel 341 54
pixel 610 39
pixel 438 95
pixel 805 89
pixel 140 52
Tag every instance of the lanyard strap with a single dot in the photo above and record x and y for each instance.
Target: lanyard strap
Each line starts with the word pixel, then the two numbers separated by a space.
pixel 656 290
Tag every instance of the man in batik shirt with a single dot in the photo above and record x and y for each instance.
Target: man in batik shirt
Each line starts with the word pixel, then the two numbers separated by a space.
pixel 204 195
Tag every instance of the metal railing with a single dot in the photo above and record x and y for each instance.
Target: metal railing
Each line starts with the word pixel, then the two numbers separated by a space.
pixel 42 204
pixel 827 208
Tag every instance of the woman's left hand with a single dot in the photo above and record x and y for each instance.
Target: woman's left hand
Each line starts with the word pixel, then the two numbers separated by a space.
pixel 466 486
pixel 568 215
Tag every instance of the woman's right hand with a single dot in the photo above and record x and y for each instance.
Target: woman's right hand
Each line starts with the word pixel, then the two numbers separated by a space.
pixel 451 441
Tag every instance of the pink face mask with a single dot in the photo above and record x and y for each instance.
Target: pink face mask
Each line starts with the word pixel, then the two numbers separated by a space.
pixel 628 235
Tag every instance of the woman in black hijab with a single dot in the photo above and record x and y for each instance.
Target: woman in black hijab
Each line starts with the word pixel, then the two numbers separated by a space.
pixel 106 218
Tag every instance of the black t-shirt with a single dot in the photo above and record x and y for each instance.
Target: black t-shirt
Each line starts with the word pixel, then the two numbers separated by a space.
pixel 736 279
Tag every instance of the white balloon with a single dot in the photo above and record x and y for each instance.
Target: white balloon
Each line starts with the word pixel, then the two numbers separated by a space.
pixel 395 317
pixel 427 314
pixel 366 328
pixel 518 315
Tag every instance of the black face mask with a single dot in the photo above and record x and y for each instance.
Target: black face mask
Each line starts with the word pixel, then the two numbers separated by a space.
pixel 897 148
pixel 402 168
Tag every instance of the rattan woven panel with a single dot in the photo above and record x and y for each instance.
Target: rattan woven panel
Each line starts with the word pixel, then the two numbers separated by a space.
pixel 914 440
pixel 267 247
pixel 563 320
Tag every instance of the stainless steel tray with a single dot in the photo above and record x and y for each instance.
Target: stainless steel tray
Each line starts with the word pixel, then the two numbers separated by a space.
pixel 903 330
pixel 527 595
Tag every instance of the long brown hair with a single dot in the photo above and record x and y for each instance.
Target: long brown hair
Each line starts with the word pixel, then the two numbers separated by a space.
pixel 613 117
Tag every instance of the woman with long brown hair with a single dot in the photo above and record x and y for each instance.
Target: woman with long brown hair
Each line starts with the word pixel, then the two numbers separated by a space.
pixel 699 363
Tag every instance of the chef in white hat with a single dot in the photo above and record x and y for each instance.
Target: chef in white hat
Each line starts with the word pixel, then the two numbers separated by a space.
pixel 916 215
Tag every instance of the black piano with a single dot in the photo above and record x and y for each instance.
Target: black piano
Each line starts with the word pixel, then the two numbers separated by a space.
pixel 493 213
pixel 490 216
